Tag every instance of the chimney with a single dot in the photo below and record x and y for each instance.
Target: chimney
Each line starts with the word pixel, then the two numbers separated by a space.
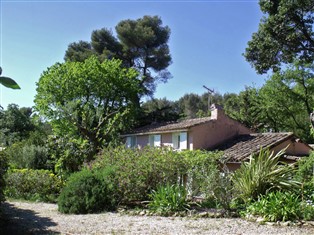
pixel 216 111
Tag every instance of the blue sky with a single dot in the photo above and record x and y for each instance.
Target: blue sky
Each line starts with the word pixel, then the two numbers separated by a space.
pixel 207 41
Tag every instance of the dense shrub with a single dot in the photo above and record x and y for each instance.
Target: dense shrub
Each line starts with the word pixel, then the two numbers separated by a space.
pixel 168 199
pixel 68 154
pixel 89 191
pixel 140 171
pixel 262 174
pixel 305 169
pixel 34 185
pixel 23 155
pixel 209 177
pixel 3 168
pixel 280 206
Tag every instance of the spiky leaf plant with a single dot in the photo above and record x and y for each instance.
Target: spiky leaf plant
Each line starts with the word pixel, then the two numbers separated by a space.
pixel 263 173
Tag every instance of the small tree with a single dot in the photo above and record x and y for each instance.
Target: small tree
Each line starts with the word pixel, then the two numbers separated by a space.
pixel 87 103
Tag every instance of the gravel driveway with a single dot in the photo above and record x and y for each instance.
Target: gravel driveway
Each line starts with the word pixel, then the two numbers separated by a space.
pixel 43 218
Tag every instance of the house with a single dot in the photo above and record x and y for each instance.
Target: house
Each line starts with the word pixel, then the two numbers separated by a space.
pixel 217 132
pixel 198 133
pixel 240 148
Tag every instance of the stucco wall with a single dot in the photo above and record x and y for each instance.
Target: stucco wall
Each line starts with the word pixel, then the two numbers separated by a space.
pixel 232 166
pixel 213 133
pixel 294 148
pixel 207 135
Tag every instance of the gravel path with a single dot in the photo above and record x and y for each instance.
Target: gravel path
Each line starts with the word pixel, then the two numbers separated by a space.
pixel 43 218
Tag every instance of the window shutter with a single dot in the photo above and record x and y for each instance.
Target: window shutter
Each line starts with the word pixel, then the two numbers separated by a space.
pixel 151 140
pixel 175 140
pixel 183 140
pixel 157 140
pixel 129 142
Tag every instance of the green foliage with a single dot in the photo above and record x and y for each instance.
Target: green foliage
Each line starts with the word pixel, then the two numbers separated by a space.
pixel 34 185
pixel 305 172
pixel 158 110
pixel 3 169
pixel 262 174
pixel 140 44
pixel 286 100
pixel 24 155
pixel 207 176
pixel 245 108
pixel 195 106
pixel 68 155
pixel 8 82
pixel 139 171
pixel 168 199
pixel 285 34
pixel 276 206
pixel 87 102
pixel 15 124
pixel 89 192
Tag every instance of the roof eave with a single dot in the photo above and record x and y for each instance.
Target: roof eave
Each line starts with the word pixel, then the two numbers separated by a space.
pixel 154 132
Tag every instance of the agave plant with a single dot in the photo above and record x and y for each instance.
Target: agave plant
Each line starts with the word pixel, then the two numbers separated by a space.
pixel 8 82
pixel 263 173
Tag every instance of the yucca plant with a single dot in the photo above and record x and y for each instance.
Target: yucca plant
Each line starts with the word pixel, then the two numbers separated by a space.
pixel 263 173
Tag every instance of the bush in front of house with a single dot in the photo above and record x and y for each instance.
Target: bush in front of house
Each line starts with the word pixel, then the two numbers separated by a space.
pixel 24 155
pixel 209 177
pixel 3 169
pixel 168 199
pixel 89 191
pixel 140 171
pixel 33 185
pixel 280 206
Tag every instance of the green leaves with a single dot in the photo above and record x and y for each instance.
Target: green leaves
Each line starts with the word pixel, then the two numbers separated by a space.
pixel 168 199
pixel 263 173
pixel 140 44
pixel 276 206
pixel 8 82
pixel 90 101
pixel 285 34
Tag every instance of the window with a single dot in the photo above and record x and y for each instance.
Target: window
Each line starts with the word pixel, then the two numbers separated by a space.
pixel 155 140
pixel 179 140
pixel 131 141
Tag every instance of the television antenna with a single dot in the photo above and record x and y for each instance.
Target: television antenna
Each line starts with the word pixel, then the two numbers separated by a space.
pixel 210 92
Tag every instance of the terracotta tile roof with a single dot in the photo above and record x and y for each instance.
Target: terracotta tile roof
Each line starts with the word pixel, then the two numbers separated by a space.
pixel 241 147
pixel 170 126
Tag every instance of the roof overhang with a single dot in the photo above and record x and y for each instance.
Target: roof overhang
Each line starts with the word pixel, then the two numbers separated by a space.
pixel 154 132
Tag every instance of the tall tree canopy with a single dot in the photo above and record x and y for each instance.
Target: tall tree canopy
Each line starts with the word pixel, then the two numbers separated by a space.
pixel 287 100
pixel 158 110
pixel 283 103
pixel 88 101
pixel 15 124
pixel 285 34
pixel 140 44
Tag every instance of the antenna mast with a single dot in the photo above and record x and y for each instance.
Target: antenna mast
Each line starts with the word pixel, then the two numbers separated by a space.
pixel 210 92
